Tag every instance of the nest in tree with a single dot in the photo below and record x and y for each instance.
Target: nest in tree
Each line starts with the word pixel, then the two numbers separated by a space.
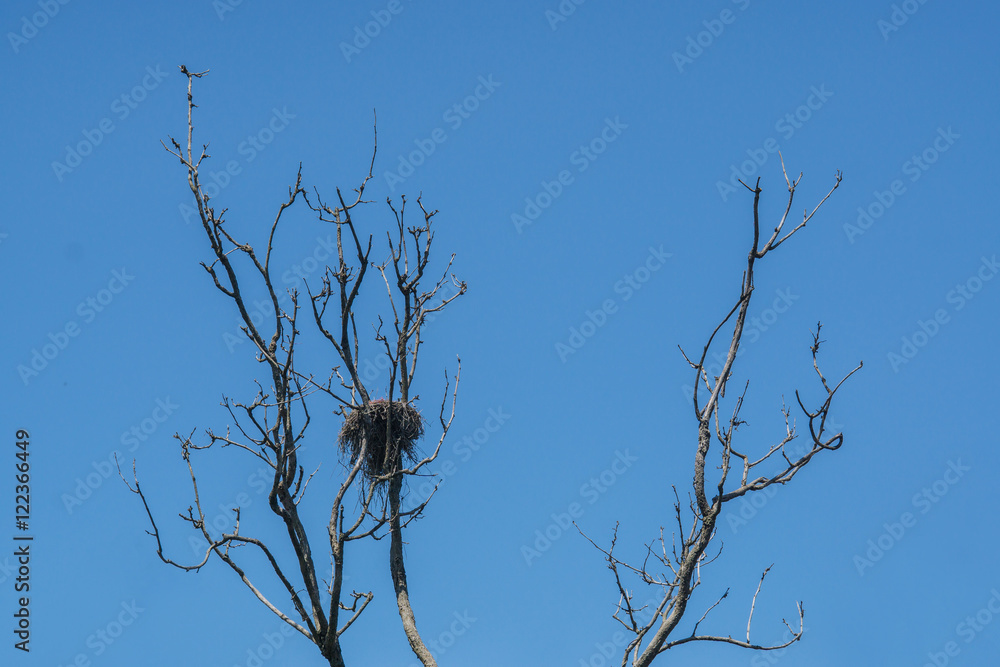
pixel 371 424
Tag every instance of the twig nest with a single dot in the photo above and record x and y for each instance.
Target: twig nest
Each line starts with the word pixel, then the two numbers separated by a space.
pixel 389 429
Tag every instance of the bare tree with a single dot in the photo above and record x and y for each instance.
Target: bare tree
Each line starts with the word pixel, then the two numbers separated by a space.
pixel 378 439
pixel 676 570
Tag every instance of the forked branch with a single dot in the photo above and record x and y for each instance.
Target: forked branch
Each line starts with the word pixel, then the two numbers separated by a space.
pixel 678 568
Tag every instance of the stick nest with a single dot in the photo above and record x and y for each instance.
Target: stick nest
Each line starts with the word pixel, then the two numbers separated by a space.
pixel 371 424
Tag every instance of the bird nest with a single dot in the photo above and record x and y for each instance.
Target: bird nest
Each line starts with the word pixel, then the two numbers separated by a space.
pixel 389 429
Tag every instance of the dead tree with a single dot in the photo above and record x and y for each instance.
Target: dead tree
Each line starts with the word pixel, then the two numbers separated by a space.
pixel 676 570
pixel 378 439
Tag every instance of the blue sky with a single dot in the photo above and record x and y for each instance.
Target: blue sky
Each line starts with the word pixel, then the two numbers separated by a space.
pixel 622 127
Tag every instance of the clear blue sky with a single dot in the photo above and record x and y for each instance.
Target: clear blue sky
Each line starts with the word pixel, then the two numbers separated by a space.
pixel 95 238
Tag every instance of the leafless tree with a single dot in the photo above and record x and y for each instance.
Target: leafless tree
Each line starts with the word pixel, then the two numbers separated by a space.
pixel 675 571
pixel 272 427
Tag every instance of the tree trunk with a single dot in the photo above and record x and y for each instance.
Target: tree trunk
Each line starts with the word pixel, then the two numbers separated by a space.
pixel 398 571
